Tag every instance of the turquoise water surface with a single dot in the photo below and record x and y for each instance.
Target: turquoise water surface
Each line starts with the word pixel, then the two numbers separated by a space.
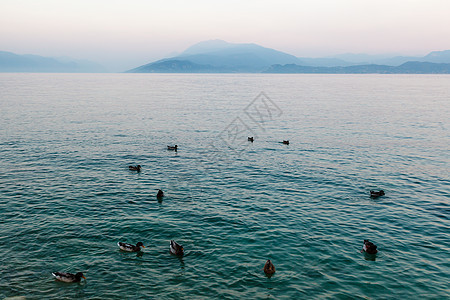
pixel 67 196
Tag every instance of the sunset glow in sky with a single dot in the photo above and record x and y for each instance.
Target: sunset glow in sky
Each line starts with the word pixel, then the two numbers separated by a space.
pixel 123 34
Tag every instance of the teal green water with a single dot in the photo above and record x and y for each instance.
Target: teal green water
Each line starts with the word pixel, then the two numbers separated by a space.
pixel 67 196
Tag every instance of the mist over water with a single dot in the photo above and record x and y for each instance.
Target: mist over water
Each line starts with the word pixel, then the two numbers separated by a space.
pixel 67 196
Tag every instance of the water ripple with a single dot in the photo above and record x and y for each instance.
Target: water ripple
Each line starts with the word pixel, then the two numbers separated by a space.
pixel 68 196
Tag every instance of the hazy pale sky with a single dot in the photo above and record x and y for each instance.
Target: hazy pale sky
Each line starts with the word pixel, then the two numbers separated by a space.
pixel 123 34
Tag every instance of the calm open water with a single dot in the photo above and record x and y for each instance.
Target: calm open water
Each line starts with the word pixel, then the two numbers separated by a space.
pixel 67 196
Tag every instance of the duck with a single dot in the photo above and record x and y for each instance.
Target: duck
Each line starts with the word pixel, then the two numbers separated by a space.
pixel 269 268
pixel 176 248
pixel 129 247
pixel 376 194
pixel 68 277
pixel 135 168
pixel 174 148
pixel 160 194
pixel 369 247
pixel 250 139
pixel 286 142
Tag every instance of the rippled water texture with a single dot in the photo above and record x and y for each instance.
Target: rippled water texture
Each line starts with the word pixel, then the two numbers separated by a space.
pixel 67 196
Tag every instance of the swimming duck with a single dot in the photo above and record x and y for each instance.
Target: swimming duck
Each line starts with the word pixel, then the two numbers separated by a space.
pixel 174 148
pixel 369 247
pixel 129 247
pixel 135 168
pixel 176 248
pixel 269 268
pixel 375 194
pixel 250 139
pixel 286 142
pixel 68 277
pixel 160 194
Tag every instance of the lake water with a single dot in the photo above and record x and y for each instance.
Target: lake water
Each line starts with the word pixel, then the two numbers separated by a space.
pixel 67 196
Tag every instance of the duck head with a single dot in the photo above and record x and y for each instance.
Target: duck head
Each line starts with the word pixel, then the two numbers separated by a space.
pixel 140 245
pixel 179 249
pixel 80 275
pixel 369 247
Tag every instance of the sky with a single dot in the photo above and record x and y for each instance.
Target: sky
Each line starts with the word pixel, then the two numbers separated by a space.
pixel 124 34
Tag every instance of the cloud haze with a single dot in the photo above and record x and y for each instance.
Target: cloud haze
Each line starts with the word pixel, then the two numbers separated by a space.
pixel 123 34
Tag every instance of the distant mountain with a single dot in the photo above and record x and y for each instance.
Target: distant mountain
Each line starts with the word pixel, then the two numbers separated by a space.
pixel 207 47
pixel 433 57
pixel 225 57
pixel 218 56
pixel 363 59
pixel 175 66
pixel 412 67
pixel 438 57
pixel 10 62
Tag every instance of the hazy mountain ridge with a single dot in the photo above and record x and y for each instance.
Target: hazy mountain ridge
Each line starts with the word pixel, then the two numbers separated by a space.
pixel 11 62
pixel 217 56
pixel 224 57
pixel 364 59
pixel 174 66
